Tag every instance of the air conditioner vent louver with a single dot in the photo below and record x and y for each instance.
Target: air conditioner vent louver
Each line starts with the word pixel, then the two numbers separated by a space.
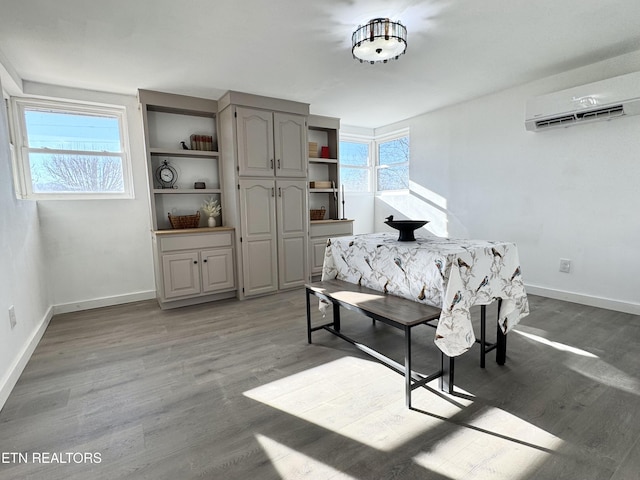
pixel 555 122
pixel 614 111
pixel 616 97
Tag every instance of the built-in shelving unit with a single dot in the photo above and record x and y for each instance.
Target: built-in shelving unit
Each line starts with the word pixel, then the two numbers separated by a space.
pixel 169 120
pixel 192 265
pixel 325 132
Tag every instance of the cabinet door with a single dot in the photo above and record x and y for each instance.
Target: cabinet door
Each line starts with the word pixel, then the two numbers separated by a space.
pixel 258 223
pixel 316 255
pixel 290 136
pixel 181 274
pixel 217 270
pixel 255 142
pixel 293 228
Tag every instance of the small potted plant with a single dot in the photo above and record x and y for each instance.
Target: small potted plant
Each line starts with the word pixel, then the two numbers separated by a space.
pixel 212 209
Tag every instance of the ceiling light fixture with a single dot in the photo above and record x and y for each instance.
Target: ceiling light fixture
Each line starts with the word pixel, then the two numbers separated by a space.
pixel 380 40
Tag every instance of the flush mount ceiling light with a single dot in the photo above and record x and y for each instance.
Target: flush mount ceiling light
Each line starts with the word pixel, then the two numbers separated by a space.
pixel 380 40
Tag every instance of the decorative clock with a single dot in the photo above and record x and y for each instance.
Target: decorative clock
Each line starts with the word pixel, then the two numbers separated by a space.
pixel 166 175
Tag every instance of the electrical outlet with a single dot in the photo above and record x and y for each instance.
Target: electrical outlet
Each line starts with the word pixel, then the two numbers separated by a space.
pixel 565 265
pixel 12 317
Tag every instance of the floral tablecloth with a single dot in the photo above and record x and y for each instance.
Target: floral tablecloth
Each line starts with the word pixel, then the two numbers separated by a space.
pixel 447 273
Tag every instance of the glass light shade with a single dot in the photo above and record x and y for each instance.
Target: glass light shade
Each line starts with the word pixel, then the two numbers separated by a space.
pixel 380 40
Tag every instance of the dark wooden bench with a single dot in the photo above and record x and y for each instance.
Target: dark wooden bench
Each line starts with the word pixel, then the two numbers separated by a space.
pixel 389 309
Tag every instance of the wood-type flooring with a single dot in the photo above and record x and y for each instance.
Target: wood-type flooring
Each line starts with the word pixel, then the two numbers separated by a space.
pixel 231 390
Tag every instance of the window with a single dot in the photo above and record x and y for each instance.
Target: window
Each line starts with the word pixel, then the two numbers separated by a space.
pixel 392 168
pixel 72 150
pixel 387 156
pixel 355 165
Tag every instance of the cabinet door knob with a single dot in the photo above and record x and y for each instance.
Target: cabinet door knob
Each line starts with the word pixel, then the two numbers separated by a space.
pixel 195 262
pixel 278 163
pixel 273 192
pixel 279 191
pixel 272 164
pixel 204 261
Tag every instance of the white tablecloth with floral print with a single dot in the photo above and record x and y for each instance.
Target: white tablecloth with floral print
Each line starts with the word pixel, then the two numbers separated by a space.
pixel 451 274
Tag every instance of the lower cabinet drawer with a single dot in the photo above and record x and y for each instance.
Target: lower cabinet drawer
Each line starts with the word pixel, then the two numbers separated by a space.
pixel 331 229
pixel 195 241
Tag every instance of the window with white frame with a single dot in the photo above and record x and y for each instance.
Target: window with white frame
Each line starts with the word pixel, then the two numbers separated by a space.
pixel 392 166
pixel 355 164
pixel 384 159
pixel 70 150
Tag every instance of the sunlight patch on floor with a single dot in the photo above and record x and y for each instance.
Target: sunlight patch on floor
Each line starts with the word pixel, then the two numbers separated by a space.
pixel 292 464
pixel 360 399
pixel 500 446
pixel 602 372
pixel 592 367
pixel 557 345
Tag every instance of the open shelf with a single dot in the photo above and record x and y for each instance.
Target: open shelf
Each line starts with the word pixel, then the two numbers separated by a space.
pixel 183 153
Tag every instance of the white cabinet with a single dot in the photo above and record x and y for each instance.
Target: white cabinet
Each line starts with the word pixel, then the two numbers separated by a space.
pixel 258 237
pixel 319 233
pixel 192 265
pixel 274 228
pixel 293 230
pixel 271 143
pixel 194 268
pixel 264 144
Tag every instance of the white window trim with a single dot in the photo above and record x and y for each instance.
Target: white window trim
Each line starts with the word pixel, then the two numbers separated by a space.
pixel 23 183
pixel 404 132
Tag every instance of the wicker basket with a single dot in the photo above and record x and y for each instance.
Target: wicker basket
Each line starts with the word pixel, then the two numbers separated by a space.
pixel 184 221
pixel 317 214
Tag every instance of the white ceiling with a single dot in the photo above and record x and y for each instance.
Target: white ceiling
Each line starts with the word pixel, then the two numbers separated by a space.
pixel 301 50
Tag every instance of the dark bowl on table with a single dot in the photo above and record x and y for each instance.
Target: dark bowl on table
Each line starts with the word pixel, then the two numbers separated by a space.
pixel 406 228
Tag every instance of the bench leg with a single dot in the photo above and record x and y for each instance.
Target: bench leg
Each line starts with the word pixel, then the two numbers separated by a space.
pixel 407 365
pixel 483 334
pixel 501 349
pixel 308 317
pixel 336 317
pixel 447 380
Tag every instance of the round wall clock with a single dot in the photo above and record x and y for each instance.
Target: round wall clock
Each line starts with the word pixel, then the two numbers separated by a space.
pixel 166 175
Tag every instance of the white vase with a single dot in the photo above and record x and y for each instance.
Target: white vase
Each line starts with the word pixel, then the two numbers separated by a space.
pixel 211 221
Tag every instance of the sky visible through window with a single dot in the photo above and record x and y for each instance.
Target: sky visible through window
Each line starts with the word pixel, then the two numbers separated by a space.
pixel 65 170
pixel 354 166
pixel 393 165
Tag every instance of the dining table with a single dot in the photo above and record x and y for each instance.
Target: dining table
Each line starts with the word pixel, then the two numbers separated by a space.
pixel 451 274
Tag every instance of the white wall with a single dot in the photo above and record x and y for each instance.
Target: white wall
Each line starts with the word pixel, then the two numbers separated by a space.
pixel 570 193
pixel 99 251
pixel 22 275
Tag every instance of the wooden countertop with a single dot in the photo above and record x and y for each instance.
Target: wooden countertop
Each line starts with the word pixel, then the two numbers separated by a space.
pixel 331 221
pixel 176 231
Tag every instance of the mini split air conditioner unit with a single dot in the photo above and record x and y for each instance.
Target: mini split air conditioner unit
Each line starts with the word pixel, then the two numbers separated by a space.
pixel 604 100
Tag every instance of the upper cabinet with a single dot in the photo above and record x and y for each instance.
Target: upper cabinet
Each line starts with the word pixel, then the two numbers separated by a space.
pixel 182 155
pixel 271 143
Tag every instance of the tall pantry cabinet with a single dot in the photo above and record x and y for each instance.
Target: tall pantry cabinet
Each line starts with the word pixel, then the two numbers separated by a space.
pixel 264 142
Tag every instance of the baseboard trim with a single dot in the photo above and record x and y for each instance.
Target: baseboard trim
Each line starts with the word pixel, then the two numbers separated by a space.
pixel 21 361
pixel 103 302
pixel 592 301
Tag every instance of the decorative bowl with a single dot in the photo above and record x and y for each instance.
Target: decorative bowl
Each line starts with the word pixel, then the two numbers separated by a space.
pixel 406 228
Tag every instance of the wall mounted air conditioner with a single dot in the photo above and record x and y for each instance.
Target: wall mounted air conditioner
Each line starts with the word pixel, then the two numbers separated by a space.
pixel 604 100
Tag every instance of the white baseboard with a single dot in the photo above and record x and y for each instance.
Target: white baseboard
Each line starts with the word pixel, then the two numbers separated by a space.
pixel 20 362
pixel 103 302
pixel 601 302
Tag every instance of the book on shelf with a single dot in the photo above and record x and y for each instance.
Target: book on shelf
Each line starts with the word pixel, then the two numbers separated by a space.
pixel 201 142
